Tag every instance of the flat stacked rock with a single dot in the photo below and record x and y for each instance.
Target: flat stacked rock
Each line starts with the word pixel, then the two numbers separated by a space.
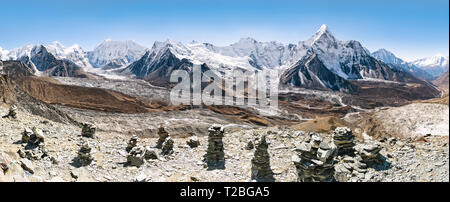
pixel 193 142
pixel 261 170
pixel 350 168
pixel 136 156
pixel 163 135
pixel 84 154
pixel 167 147
pixel 132 143
pixel 88 130
pixel 215 156
pixel 315 160
pixel 370 153
pixel 343 138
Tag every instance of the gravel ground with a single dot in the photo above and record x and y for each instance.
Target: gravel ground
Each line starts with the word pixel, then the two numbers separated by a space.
pixel 409 160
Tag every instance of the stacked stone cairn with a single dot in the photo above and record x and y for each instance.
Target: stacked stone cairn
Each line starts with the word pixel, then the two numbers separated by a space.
pixel 34 146
pixel 132 143
pixel 163 135
pixel 193 142
pixel 315 160
pixel 261 170
pixel 136 156
pixel 215 156
pixel 350 169
pixel 370 153
pixel 250 145
pixel 12 112
pixel 84 154
pixel 88 130
pixel 343 138
pixel 167 147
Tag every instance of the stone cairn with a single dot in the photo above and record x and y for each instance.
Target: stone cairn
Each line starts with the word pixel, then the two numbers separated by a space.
pixel 84 154
pixel 132 143
pixel 167 147
pixel 343 138
pixel 88 130
pixel 315 160
pixel 150 153
pixel 215 156
pixel 370 153
pixel 34 148
pixel 163 135
pixel 353 166
pixel 136 156
pixel 12 112
pixel 349 168
pixel 261 162
pixel 250 145
pixel 193 142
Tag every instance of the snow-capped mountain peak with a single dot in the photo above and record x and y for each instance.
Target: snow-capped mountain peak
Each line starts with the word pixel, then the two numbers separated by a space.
pixel 112 53
pixel 387 56
pixel 73 53
pixel 323 35
pixel 3 54
pixel 436 65
pixel 17 53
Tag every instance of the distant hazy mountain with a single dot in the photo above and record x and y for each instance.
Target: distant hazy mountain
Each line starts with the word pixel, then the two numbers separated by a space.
pixel 397 63
pixel 435 65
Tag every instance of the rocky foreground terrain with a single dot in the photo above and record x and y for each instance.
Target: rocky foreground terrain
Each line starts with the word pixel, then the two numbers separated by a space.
pixel 40 150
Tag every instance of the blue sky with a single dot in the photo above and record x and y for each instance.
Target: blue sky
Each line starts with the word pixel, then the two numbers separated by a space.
pixel 411 29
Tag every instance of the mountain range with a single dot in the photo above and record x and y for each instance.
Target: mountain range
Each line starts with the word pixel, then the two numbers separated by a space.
pixel 426 68
pixel 321 62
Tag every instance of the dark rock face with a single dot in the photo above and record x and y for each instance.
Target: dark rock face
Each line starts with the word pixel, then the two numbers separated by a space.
pixel 157 68
pixel 7 90
pixel 17 69
pixel 310 72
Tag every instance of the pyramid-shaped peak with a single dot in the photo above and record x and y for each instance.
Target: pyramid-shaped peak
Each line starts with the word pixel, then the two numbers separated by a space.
pixel 323 29
pixel 323 34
